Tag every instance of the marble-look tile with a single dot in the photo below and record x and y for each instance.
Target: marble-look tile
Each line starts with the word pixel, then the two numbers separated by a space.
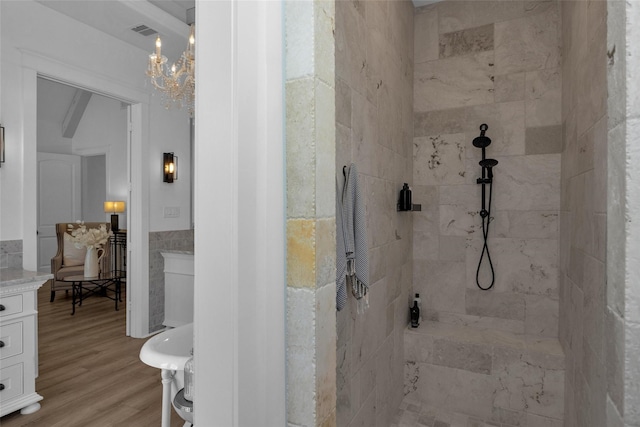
pixel 456 390
pixel 527 266
pixel 527 182
pixel 457 220
pixel 505 121
pixel 324 40
pixel 464 42
pixel 543 140
pixel 350 45
pixel 343 103
pixel 459 15
pixel 469 357
pixel 541 316
pixel 484 322
pixel 614 355
pixel 364 135
pixel 504 305
pixel 439 159
pixel 452 248
pixel 325 150
pixel 444 282
pixel 523 386
pixel 525 224
pixel 425 40
pixel 543 92
pixel 454 82
pixel 426 244
pixel 509 87
pixel 325 345
pixel 527 44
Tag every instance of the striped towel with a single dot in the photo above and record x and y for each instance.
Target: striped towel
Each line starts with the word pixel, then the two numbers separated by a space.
pixel 352 261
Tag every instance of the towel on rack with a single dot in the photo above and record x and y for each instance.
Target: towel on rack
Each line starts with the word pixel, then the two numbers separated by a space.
pixel 352 261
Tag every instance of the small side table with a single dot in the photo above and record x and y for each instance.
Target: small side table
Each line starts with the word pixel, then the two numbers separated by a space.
pixel 82 287
pixel 118 243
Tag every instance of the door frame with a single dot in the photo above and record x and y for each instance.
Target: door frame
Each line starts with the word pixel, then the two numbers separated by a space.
pixel 36 65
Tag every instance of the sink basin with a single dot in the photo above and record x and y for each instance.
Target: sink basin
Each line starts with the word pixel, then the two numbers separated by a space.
pixel 169 349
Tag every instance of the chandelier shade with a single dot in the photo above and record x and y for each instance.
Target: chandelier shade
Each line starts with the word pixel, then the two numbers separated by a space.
pixel 176 83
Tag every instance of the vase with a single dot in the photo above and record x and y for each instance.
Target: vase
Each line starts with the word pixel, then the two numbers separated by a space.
pixel 91 262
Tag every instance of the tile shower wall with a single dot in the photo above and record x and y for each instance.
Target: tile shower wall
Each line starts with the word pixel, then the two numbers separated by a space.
pixel 497 63
pixel 11 254
pixel 591 308
pixel 179 240
pixel 374 115
pixel 311 241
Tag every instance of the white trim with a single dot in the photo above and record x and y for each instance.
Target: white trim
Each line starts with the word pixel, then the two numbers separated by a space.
pixel 34 65
pixel 239 313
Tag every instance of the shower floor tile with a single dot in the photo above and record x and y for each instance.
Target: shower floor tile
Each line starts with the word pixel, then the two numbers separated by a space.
pixel 412 415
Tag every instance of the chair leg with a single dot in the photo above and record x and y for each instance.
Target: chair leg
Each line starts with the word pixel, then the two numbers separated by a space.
pixel 53 296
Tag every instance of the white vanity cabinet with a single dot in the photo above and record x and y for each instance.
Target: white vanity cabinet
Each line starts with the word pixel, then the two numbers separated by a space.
pixel 19 340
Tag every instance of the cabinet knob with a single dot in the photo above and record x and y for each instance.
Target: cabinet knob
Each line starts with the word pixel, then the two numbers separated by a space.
pixel 1 344
pixel 2 307
pixel 1 387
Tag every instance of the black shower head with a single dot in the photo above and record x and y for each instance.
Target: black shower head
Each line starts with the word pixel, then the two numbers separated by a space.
pixel 482 141
pixel 488 163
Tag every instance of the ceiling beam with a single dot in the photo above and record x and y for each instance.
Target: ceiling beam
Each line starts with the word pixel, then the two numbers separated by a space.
pixel 75 112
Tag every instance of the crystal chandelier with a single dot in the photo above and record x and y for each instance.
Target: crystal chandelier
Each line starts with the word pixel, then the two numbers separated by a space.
pixel 176 83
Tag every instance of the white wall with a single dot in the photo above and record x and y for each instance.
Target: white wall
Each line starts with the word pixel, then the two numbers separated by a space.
pixel 31 30
pixel 103 129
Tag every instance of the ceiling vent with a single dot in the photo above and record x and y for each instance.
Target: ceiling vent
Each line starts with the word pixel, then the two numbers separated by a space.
pixel 144 30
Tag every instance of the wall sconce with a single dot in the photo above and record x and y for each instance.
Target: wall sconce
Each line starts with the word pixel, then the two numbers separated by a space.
pixel 169 167
pixel 1 146
pixel 115 208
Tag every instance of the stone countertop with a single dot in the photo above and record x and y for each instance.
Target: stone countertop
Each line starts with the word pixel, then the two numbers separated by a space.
pixel 17 276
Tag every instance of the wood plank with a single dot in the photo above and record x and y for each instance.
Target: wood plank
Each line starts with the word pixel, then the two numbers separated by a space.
pixel 90 373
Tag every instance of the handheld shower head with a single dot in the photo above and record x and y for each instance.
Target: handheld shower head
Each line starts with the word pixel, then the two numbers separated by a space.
pixel 482 141
pixel 489 165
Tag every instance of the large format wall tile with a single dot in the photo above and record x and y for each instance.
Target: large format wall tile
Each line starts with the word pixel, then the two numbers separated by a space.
pixel 527 266
pixel 439 159
pixel 543 97
pixel 454 82
pixel 528 44
pixel 425 39
pixel 527 182
pixel 464 42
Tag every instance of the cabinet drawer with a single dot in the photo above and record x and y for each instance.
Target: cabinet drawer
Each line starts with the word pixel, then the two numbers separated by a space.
pixel 11 339
pixel 12 382
pixel 10 305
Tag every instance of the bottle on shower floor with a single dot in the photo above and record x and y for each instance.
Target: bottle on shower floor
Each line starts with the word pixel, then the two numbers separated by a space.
pixel 415 315
pixel 417 298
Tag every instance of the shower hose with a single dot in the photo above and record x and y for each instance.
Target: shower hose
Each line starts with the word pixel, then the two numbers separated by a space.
pixel 486 220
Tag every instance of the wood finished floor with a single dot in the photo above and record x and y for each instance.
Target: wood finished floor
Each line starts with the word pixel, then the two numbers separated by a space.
pixel 90 374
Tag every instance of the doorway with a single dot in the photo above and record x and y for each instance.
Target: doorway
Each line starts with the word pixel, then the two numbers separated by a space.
pixel 82 159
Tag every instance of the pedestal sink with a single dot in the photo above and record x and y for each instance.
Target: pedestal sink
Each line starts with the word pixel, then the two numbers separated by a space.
pixel 169 351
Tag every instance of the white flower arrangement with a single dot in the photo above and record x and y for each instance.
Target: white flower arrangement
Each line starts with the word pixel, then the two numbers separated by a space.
pixel 88 237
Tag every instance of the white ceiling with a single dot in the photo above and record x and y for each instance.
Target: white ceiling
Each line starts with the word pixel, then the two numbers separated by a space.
pixel 118 17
